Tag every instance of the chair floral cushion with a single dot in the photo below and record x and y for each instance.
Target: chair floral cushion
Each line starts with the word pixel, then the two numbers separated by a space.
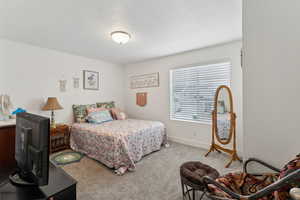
pixel 247 184
pixel 80 112
pixel 243 183
pixel 108 105
pixel 293 165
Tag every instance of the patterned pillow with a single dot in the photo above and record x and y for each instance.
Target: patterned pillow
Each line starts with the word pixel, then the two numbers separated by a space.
pixel 99 117
pixel 80 112
pixel 110 104
pixel 118 114
pixel 90 110
pixel 121 116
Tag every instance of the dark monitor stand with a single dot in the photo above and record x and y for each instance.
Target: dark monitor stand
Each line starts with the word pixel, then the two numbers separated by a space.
pixel 61 186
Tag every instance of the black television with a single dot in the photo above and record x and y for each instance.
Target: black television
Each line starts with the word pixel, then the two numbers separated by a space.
pixel 32 150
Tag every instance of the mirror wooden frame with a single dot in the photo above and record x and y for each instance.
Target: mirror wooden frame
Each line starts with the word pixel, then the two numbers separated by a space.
pixel 232 131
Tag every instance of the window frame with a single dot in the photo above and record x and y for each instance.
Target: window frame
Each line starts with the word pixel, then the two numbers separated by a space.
pixel 227 60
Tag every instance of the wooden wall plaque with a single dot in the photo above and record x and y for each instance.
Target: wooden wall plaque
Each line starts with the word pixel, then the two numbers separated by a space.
pixel 141 98
pixel 144 81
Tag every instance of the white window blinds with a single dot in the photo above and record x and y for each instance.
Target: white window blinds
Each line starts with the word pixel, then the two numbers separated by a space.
pixel 193 90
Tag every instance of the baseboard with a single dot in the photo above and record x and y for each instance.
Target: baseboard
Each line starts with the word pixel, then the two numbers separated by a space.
pixel 194 143
pixel 189 142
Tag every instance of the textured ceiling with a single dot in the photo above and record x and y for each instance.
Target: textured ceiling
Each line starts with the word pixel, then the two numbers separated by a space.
pixel 158 27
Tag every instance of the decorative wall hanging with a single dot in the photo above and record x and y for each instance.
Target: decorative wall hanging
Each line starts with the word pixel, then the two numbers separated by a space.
pixel 75 82
pixel 141 98
pixel 63 85
pixel 90 80
pixel 145 81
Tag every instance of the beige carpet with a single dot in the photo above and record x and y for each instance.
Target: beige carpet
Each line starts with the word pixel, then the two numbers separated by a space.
pixel 156 176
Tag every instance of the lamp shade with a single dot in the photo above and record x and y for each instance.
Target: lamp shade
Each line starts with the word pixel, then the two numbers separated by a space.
pixel 52 104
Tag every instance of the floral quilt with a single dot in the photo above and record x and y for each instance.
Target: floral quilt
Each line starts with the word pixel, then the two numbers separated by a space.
pixel 118 144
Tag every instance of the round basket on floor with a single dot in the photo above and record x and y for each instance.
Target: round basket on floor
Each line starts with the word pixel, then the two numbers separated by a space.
pixel 65 158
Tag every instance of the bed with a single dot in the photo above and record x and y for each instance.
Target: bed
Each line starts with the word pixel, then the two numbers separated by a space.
pixel 118 144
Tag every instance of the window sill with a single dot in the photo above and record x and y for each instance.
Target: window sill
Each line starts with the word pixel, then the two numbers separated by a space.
pixel 191 121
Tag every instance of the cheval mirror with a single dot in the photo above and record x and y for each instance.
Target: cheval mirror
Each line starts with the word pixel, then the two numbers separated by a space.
pixel 224 124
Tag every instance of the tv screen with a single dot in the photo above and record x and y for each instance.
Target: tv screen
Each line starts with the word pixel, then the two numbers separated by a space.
pixel 32 150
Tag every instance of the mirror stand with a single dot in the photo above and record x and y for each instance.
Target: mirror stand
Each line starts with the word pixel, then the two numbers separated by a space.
pixel 217 147
pixel 224 125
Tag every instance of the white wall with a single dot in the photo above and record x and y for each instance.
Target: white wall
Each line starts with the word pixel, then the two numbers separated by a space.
pixel 30 74
pixel 271 79
pixel 158 98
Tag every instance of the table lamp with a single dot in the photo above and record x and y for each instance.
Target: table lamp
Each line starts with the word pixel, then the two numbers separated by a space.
pixel 52 104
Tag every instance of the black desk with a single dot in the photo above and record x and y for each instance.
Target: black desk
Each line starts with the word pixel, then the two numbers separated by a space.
pixel 61 187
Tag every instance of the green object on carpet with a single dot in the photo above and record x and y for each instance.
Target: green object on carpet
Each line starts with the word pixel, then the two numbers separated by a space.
pixel 65 158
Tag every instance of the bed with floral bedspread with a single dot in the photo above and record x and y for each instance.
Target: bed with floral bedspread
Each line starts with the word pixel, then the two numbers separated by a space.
pixel 118 144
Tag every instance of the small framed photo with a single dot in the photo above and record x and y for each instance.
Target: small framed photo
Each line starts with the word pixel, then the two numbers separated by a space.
pixel 90 80
pixel 76 82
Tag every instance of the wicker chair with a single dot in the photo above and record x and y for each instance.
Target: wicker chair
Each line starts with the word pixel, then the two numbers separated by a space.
pixel 287 178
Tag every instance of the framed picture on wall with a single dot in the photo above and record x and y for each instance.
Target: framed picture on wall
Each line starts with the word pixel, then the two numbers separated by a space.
pixel 90 80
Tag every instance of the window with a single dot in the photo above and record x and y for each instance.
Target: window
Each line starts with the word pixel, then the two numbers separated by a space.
pixel 192 90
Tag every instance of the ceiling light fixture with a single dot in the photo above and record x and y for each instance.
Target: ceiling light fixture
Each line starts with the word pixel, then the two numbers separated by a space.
pixel 120 37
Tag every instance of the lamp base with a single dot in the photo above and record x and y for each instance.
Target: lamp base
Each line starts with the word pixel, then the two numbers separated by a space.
pixel 52 124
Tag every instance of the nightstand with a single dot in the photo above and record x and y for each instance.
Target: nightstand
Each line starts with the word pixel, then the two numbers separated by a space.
pixel 59 138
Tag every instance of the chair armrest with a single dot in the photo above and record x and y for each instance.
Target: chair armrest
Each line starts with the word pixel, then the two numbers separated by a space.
pixel 207 180
pixel 260 162
pixel 291 178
